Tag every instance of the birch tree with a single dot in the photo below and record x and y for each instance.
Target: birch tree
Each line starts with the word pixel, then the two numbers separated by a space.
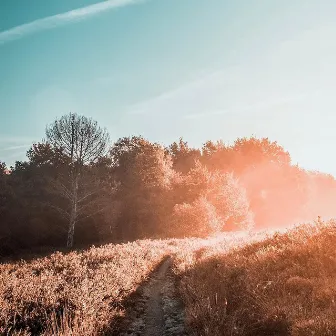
pixel 84 142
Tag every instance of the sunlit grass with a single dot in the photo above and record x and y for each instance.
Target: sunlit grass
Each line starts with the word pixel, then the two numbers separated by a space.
pixel 283 284
pixel 79 293
pixel 239 283
pixel 74 292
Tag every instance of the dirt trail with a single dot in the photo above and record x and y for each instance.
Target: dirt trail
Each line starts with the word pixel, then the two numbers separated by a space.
pixel 154 318
pixel 159 311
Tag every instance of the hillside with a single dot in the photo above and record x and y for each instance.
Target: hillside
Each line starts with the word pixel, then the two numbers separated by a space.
pixel 282 285
pixel 233 284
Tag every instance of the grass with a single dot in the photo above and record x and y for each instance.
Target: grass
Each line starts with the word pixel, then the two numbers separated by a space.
pixel 234 284
pixel 282 285
pixel 79 293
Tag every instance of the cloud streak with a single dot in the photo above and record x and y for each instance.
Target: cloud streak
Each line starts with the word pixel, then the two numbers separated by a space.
pixel 55 21
pixel 212 95
pixel 13 148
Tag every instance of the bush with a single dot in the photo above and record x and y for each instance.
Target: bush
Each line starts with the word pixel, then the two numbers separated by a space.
pixel 229 198
pixel 222 205
pixel 198 219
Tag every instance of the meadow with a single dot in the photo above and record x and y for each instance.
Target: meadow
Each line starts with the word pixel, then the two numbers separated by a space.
pixel 76 293
pixel 282 285
pixel 237 283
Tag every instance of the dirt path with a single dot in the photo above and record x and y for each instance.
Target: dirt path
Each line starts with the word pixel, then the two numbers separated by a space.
pixel 154 319
pixel 159 311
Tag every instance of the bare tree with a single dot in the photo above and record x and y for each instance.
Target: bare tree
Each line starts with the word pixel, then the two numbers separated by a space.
pixel 84 142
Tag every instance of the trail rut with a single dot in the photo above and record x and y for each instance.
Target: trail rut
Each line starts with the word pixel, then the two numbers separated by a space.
pixel 160 311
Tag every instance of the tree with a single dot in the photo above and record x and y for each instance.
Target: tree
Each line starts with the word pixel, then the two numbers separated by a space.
pixel 229 197
pixel 252 152
pixel 84 142
pixel 211 202
pixel 143 172
pixel 3 169
pixel 196 219
pixel 3 186
pixel 218 156
pixel 183 156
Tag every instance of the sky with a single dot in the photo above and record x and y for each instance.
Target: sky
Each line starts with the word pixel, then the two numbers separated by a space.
pixel 201 69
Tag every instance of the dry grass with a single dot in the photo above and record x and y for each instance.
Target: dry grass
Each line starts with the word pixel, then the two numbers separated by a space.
pixel 282 285
pixel 74 293
pixel 79 293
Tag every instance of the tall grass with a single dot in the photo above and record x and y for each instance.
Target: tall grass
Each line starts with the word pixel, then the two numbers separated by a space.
pixel 284 284
pixel 75 293
pixel 233 284
pixel 79 293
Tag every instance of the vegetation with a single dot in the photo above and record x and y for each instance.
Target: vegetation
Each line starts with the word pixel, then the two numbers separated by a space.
pixel 76 189
pixel 282 285
pixel 81 142
pixel 235 283
pixel 77 293
pixel 134 189
pixel 81 292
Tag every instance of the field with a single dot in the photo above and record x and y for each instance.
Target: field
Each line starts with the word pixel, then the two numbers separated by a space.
pixel 282 285
pixel 77 293
pixel 234 284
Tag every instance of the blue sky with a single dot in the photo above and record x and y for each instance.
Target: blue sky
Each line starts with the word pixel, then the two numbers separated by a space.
pixel 201 69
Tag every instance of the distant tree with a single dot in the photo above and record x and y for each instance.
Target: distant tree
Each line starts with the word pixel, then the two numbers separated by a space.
pixel 84 142
pixel 218 156
pixel 6 210
pixel 3 168
pixel 251 152
pixel 143 172
pixel 187 188
pixel 3 187
pixel 196 219
pixel 229 197
pixel 183 156
pixel 211 202
pixel 25 222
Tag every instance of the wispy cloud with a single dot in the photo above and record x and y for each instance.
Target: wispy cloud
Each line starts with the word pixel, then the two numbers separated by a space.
pixel 184 95
pixel 63 19
pixel 255 107
pixel 217 94
pixel 14 148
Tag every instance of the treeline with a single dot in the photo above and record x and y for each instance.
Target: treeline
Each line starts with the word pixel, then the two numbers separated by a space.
pixel 76 188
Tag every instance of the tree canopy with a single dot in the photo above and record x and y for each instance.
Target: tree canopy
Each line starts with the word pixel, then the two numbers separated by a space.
pixel 134 188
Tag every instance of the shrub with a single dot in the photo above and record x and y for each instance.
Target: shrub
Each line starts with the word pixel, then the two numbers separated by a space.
pixel 229 198
pixel 221 204
pixel 198 219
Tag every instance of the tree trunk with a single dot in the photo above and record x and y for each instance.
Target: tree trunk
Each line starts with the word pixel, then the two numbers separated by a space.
pixel 73 216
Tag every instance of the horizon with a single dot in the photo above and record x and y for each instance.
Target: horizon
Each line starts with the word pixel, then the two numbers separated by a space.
pixel 169 69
